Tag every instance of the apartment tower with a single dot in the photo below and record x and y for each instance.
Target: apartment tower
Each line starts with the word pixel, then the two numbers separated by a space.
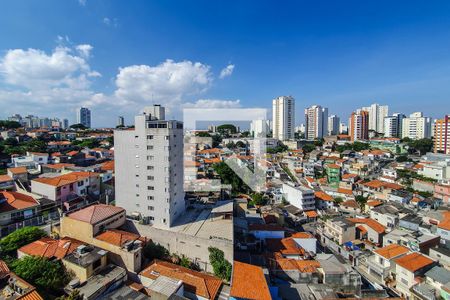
pixel 359 125
pixel 283 109
pixel 442 135
pixel 316 118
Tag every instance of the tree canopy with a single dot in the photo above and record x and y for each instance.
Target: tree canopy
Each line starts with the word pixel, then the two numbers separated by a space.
pixel 78 126
pixel 155 251
pixel 221 267
pixel 422 146
pixel 227 128
pixel 9 124
pixel 228 176
pixel 21 237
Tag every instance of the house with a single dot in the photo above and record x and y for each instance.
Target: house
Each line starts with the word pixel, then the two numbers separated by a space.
pixel 381 264
pixel 18 173
pixel 195 285
pixel 388 214
pixel 340 230
pixel 299 196
pixel 85 261
pixel 296 270
pixel 350 206
pixel 443 229
pixel 323 200
pixel 442 192
pixel 441 255
pixel 12 287
pixel 66 187
pixel 6 182
pixel 436 280
pixel 97 225
pixel 414 240
pixel 15 208
pixel 266 231
pixel 49 248
pixel 408 270
pixel 248 282
pixel 369 229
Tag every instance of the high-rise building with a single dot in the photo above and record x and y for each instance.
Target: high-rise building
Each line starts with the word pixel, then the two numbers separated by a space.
pixel 316 118
pixel 84 117
pixel 300 129
pixel 377 113
pixel 260 128
pixel 120 121
pixel 393 125
pixel 333 125
pixel 343 129
pixel 358 125
pixel 283 109
pixel 442 135
pixel 149 168
pixel 65 124
pixel 416 126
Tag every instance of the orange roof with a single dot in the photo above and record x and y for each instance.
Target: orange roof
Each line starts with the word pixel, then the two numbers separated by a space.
pixel 213 150
pixel 310 179
pixel 117 237
pixel 445 223
pixel 5 178
pixel 51 248
pixel 378 183
pixel 212 160
pixel 59 166
pixel 249 282
pixel 16 201
pixel 200 284
pixel 370 223
pixel 302 235
pixel 333 166
pixel 65 179
pixel 33 295
pixel 311 214
pixel 414 261
pixel 286 246
pixel 303 266
pixel 72 153
pixel 18 170
pixel 374 203
pixel 323 196
pixel 348 176
pixel 345 191
pixel 362 229
pixel 392 251
pixel 350 203
pixel 96 213
pixel 108 166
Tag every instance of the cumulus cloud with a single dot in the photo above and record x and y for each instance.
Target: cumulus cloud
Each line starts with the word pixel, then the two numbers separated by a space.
pixel 110 22
pixel 167 83
pixel 227 71
pixel 84 50
pixel 214 103
pixel 82 2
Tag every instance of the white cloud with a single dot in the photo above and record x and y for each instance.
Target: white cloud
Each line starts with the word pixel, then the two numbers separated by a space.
pixel 214 103
pixel 82 2
pixel 167 83
pixel 110 22
pixel 84 50
pixel 227 71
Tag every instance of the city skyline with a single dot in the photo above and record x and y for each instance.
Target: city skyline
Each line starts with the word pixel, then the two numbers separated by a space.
pixel 60 66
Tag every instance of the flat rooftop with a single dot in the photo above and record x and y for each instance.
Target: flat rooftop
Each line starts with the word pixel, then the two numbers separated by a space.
pixel 201 223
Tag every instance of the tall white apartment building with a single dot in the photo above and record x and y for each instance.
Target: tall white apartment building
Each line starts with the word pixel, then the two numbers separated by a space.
pixel 377 113
pixel 393 125
pixel 149 168
pixel 416 126
pixel 333 125
pixel 84 116
pixel 343 128
pixel 316 118
pixel 260 128
pixel 283 109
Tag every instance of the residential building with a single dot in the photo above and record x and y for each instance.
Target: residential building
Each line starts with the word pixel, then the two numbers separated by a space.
pixel 368 229
pixel 84 117
pixel 190 284
pixel 343 129
pixel 408 269
pixel 12 287
pixel 381 264
pixel 340 230
pixel 120 121
pixel 333 125
pixel 149 168
pixel 316 118
pixel 441 135
pixel 283 110
pixel 260 128
pixel 333 172
pixel 377 113
pixel 98 225
pixel 299 196
pixel 416 126
pixel 359 126
pixel 393 125
pixel 15 208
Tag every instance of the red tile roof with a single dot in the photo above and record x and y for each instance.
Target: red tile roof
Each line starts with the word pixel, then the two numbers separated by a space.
pixel 392 251
pixel 350 203
pixel 286 246
pixel 370 223
pixel 414 261
pixel 18 170
pixel 65 179
pixel 311 214
pixel 302 266
pixel 323 196
pixel 117 237
pixel 16 201
pixel 200 284
pixel 374 203
pixel 248 282
pixel 5 178
pixel 108 166
pixel 96 213
pixel 51 248
pixel 345 191
pixel 445 223
pixel 59 166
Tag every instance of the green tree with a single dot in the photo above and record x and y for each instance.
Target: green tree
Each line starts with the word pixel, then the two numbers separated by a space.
pixel 221 267
pixel 228 176
pixel 78 126
pixel 422 146
pixel 359 146
pixel 9 124
pixel 361 200
pixel 401 158
pixel 185 262
pixel 21 237
pixel 307 148
pixel 74 295
pixel 202 134
pixel 216 140
pixel 227 128
pixel 155 251
pixel 258 199
pixel 41 272
pixel 338 200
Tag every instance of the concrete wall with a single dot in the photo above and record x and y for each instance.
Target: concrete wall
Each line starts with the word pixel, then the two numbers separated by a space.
pixel 195 248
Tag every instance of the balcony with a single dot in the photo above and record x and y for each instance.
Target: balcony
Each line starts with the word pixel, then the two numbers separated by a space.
pixel 374 265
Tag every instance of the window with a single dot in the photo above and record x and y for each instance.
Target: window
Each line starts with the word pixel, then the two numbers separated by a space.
pixel 97 263
pixel 149 137
pixel 150 167
pixel 149 147
pixel 167 137
pixel 137 185
pixel 150 188
pixel 151 208
pixel 150 198
pixel 151 177
pixel 137 195
pixel 151 218
pixel 150 157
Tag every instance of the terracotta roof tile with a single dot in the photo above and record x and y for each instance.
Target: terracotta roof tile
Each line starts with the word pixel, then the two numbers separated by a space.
pixel 392 251
pixel 117 237
pixel 323 196
pixel 414 261
pixel 345 191
pixel 51 248
pixel 198 283
pixel 18 170
pixel 65 179
pixel 5 178
pixel 445 223
pixel 248 282
pixel 96 213
pixel 350 203
pixel 370 223
pixel 16 201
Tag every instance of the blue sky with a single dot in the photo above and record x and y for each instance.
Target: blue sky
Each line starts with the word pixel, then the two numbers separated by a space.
pixel 117 56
